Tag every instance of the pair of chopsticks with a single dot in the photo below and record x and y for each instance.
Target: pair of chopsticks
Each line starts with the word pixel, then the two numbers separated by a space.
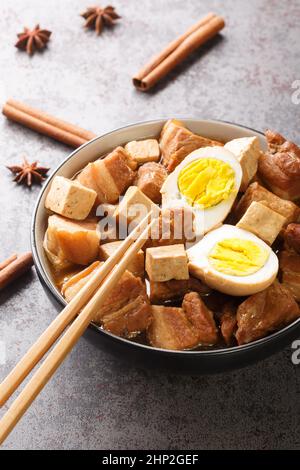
pixel 90 298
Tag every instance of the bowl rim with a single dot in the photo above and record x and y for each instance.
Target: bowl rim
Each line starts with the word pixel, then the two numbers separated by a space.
pixel 44 278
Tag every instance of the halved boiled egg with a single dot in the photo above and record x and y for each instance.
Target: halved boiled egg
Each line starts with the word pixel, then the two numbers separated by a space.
pixel 233 261
pixel 207 181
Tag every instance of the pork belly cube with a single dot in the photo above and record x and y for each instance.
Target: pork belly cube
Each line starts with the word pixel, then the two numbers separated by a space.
pixel 134 207
pixel 176 142
pixel 280 166
pixel 175 290
pixel 143 151
pixel 75 283
pixel 247 151
pixel 182 328
pixel 201 318
pixel 291 237
pixel 258 193
pixel 167 262
pixel 289 263
pixel 150 178
pixel 77 242
pixel 109 176
pixel 70 198
pixel 262 221
pixel 170 329
pixel 265 312
pixel 137 265
pixel 228 323
pixel 59 265
pixel 174 226
pixel 126 312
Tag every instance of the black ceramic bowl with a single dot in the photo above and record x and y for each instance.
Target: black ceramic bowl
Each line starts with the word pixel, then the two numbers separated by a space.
pixel 198 362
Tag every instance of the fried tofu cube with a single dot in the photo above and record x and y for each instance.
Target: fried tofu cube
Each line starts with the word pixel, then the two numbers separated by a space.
pixel 289 263
pixel 167 262
pixel 182 328
pixel 109 176
pixel 134 207
pixel 137 266
pixel 262 221
pixel 176 142
pixel 150 178
pixel 175 290
pixel 143 151
pixel 247 151
pixel 265 312
pixel 256 192
pixel 70 198
pixel 77 242
pixel 126 311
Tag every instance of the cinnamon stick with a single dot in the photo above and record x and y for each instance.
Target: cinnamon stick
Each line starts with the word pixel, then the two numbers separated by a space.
pixel 46 124
pixel 15 269
pixel 178 50
pixel 7 261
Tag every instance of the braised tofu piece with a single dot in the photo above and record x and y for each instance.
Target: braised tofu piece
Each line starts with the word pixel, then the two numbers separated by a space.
pixel 182 328
pixel 70 198
pixel 228 323
pixel 108 225
pixel 134 207
pixel 174 226
pixel 291 237
pixel 289 263
pixel 170 329
pixel 109 176
pixel 279 167
pixel 75 283
pixel 262 221
pixel 247 151
pixel 137 266
pixel 176 142
pixel 167 262
pixel 143 151
pixel 150 178
pixel 258 193
pixel 265 312
pixel 76 242
pixel 126 312
pixel 175 290
pixel 201 318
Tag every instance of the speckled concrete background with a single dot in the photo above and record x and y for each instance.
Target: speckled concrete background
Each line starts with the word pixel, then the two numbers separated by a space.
pixel 94 401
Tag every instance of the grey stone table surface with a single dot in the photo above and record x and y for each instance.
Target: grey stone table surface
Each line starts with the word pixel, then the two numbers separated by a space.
pixel 95 401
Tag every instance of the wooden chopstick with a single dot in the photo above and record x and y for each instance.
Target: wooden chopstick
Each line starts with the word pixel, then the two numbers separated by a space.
pixel 55 329
pixel 68 340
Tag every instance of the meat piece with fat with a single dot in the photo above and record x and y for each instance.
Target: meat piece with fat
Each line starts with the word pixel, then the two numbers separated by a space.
pixel 265 312
pixel 182 328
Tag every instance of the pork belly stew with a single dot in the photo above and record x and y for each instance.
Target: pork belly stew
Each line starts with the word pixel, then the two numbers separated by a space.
pixel 221 267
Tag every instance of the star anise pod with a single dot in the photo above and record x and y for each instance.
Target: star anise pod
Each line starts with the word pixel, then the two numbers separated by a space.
pixel 32 40
pixel 97 17
pixel 28 173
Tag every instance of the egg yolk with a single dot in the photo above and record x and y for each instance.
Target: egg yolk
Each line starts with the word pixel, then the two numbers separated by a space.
pixel 206 182
pixel 238 257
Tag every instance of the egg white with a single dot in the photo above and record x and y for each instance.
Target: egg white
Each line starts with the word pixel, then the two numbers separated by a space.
pixel 205 219
pixel 200 266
